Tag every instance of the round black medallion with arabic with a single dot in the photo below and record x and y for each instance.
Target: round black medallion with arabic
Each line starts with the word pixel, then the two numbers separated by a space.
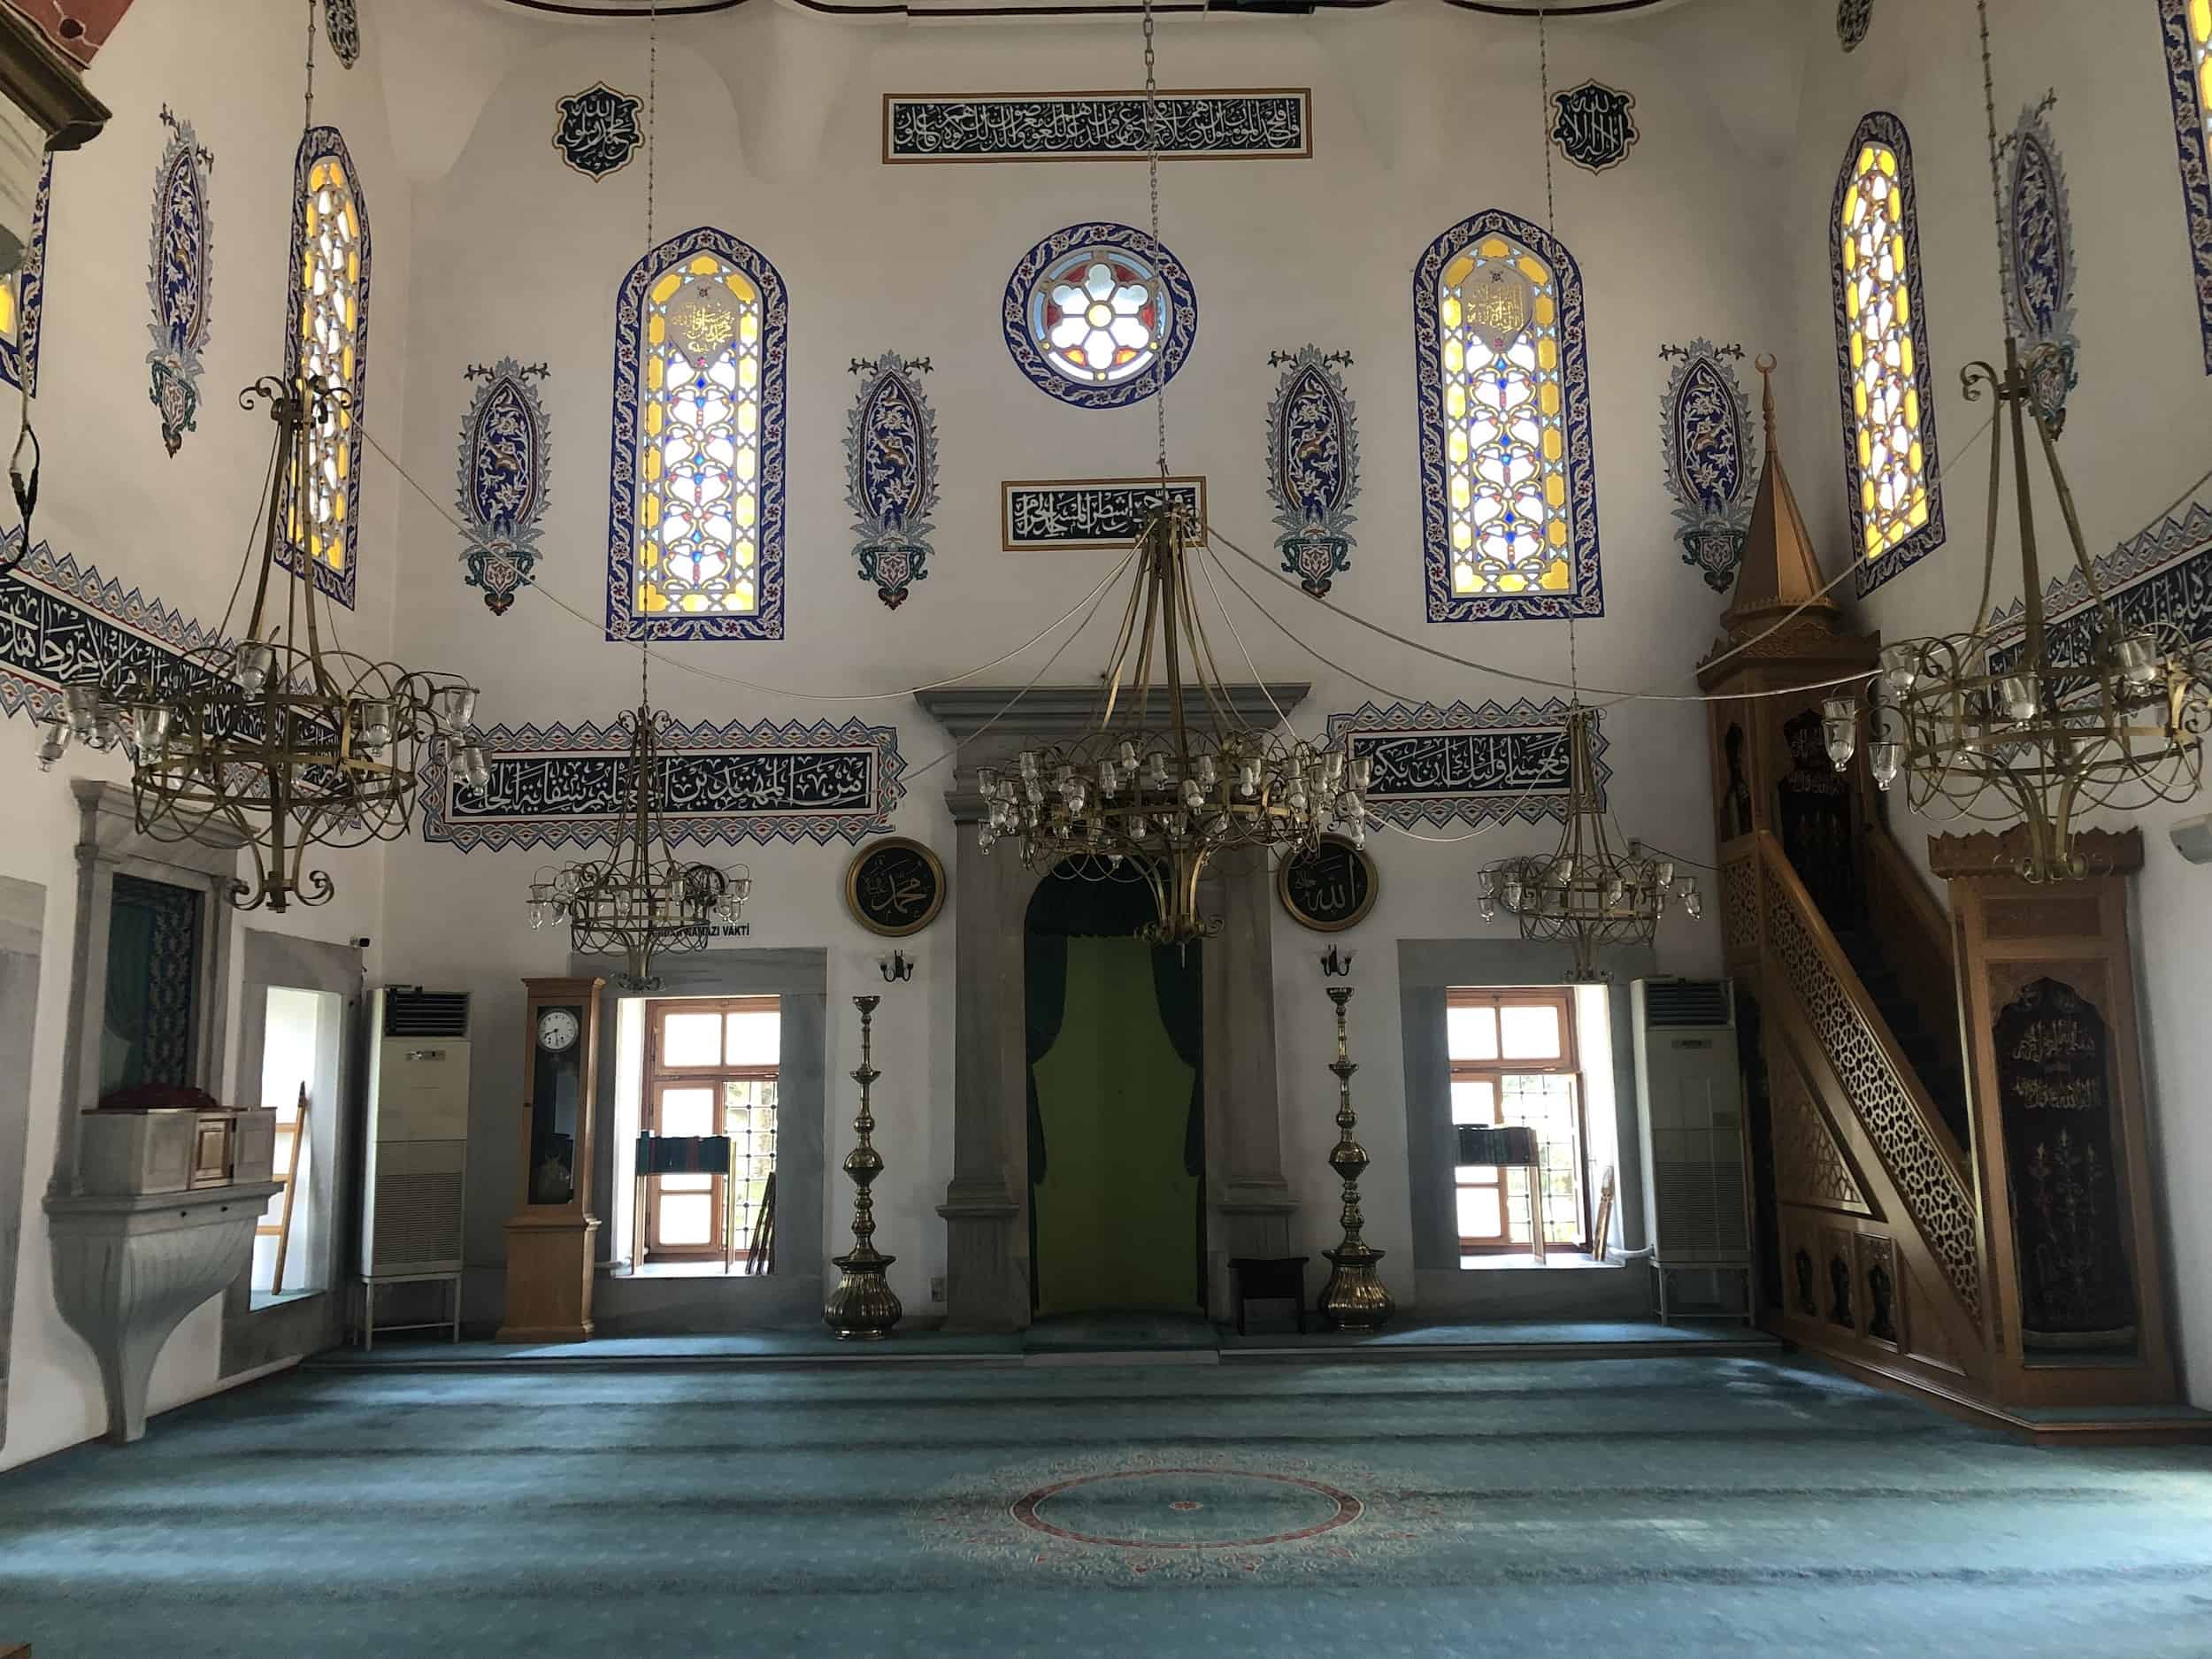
pixel 1330 887
pixel 894 887
pixel 1853 19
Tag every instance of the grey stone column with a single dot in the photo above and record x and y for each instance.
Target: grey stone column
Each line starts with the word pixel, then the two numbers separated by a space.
pixel 1249 1197
pixel 986 1249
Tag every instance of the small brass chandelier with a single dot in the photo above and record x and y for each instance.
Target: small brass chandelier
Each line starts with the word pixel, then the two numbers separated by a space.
pixel 279 740
pixel 2038 730
pixel 641 901
pixel 1585 892
pixel 1169 801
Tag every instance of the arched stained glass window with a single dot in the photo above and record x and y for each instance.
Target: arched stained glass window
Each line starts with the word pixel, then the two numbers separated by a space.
pixel 694 545
pixel 22 297
pixel 1881 354
pixel 329 340
pixel 2187 27
pixel 1508 485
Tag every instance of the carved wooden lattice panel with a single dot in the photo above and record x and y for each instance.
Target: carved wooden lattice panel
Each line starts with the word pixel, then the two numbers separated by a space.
pixel 1938 1201
pixel 1739 907
pixel 1810 1167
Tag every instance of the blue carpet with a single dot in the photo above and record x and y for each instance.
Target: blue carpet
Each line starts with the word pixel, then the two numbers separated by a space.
pixel 1720 1508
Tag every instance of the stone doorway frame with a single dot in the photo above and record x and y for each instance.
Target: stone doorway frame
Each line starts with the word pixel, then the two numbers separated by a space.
pixel 1249 1205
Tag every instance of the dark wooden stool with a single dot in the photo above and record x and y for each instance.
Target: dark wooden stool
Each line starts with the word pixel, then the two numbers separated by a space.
pixel 1268 1278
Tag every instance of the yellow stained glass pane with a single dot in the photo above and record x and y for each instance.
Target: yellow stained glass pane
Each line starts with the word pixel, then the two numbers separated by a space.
pixel 739 284
pixel 2200 21
pixel 7 308
pixel 1455 273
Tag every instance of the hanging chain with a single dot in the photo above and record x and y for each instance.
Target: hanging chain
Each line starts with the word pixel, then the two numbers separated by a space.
pixel 309 121
pixel 652 146
pixel 1551 227
pixel 1996 184
pixel 1159 261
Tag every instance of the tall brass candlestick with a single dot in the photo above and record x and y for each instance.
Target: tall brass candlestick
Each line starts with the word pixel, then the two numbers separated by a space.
pixel 864 1307
pixel 1353 1299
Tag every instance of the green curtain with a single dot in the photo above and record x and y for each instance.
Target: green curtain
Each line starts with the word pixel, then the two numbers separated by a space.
pixel 1090 901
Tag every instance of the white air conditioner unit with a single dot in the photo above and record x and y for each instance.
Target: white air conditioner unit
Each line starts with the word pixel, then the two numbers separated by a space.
pixel 417 1173
pixel 1689 1109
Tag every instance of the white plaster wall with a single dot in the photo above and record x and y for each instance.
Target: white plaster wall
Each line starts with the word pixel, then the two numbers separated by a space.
pixel 2133 439
pixel 174 528
pixel 771 129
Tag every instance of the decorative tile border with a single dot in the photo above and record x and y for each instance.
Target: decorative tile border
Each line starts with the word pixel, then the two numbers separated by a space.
pixel 1710 457
pixel 2163 575
pixel 1313 466
pixel 562 786
pixel 1076 515
pixel 766 622
pixel 1484 765
pixel 1882 128
pixel 1182 303
pixel 1586 596
pixel 61 622
pixel 2190 144
pixel 18 354
pixel 891 474
pixel 315 143
pixel 506 449
pixel 1272 122
pixel 180 272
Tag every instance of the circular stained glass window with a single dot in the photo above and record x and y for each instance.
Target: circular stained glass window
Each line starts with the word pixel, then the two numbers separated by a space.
pixel 1097 315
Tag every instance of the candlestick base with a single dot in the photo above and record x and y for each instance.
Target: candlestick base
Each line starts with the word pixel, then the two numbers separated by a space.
pixel 1353 1299
pixel 864 1307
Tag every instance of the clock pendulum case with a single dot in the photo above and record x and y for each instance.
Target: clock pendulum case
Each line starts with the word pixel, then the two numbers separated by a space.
pixel 551 1236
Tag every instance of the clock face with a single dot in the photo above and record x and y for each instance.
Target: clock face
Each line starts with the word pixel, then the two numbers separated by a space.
pixel 558 1029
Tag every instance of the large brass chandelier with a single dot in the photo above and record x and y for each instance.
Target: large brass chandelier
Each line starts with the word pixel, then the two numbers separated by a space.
pixel 1166 800
pixel 1586 894
pixel 2035 728
pixel 641 901
pixel 280 739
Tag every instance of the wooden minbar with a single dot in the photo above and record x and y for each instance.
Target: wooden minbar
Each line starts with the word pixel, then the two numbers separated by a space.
pixel 2060 1133
pixel 551 1238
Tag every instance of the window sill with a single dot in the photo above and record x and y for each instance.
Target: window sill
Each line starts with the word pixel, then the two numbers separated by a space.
pixel 712 1268
pixel 263 1299
pixel 1559 1256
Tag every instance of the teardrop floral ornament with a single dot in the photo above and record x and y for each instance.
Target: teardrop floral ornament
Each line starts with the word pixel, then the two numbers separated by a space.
pixel 179 271
pixel 891 450
pixel 1312 466
pixel 1709 455
pixel 504 450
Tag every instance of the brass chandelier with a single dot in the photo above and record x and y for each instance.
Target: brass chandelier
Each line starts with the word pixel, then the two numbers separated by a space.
pixel 280 739
pixel 1587 894
pixel 1169 801
pixel 641 901
pixel 2036 730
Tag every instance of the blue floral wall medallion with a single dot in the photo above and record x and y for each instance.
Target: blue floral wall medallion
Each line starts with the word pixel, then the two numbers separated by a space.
pixel 1312 466
pixel 598 130
pixel 179 269
pixel 342 24
pixel 1594 124
pixel 891 454
pixel 1711 458
pixel 504 450
pixel 2039 251
pixel 1853 18
pixel 1099 315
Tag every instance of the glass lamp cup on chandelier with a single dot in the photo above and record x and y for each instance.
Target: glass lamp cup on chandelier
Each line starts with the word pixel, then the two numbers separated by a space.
pixel 1169 798
pixel 1586 894
pixel 641 901
pixel 279 741
pixel 2010 724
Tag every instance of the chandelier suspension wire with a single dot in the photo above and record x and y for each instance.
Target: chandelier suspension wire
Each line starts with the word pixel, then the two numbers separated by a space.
pixel 2026 730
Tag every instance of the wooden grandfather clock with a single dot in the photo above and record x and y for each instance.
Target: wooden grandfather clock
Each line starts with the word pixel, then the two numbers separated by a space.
pixel 550 1239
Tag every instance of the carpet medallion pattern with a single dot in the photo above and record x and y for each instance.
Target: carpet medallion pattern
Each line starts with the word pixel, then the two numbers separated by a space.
pixel 1175 1514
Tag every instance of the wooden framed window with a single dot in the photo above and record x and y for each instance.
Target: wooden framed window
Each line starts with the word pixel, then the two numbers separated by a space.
pixel 1514 1061
pixel 712 1065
